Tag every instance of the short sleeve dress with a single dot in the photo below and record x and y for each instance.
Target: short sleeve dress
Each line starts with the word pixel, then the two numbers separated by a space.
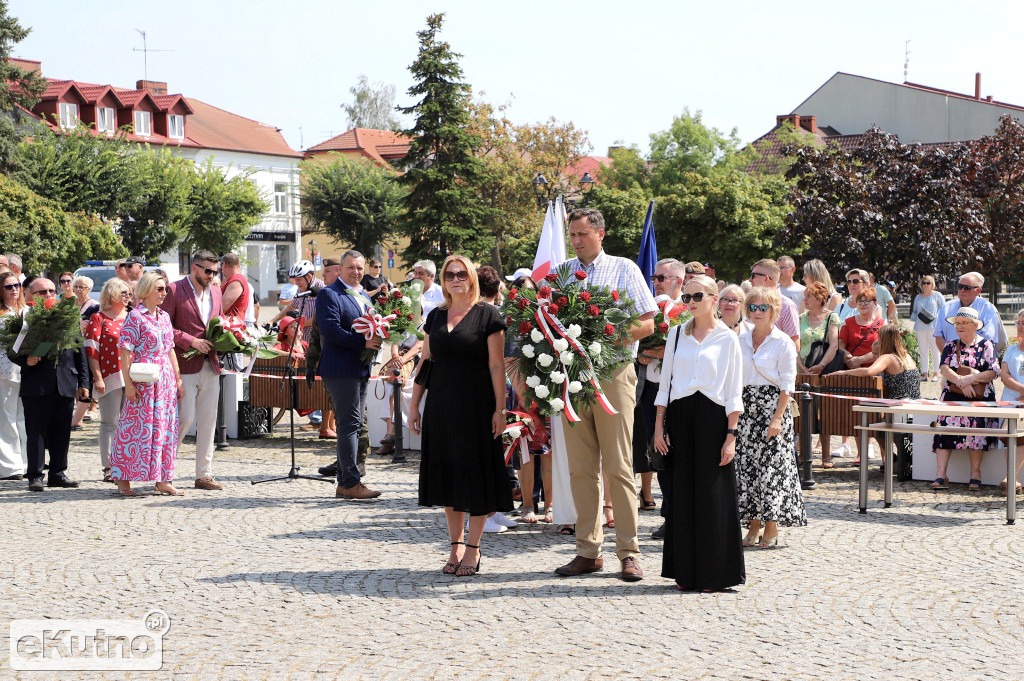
pixel 462 465
pixel 980 355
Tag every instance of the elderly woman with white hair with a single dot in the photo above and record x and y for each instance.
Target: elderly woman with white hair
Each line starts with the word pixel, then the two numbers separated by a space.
pixel 767 481
pixel 730 309
pixel 970 366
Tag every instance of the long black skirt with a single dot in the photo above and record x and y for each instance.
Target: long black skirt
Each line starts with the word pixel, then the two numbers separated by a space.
pixel 703 546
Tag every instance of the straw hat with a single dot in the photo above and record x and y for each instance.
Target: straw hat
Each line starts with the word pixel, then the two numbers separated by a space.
pixel 966 313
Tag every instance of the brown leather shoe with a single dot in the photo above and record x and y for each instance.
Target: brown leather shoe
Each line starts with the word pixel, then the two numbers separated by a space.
pixel 208 483
pixel 580 566
pixel 631 570
pixel 358 491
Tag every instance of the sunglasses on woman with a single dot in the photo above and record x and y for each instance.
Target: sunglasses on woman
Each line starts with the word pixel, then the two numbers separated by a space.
pixel 695 297
pixel 65 281
pixel 760 307
pixel 461 275
pixel 12 287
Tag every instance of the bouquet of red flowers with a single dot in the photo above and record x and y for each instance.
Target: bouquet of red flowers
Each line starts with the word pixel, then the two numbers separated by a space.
pixel 569 338
pixel 45 328
pixel 391 317
pixel 669 314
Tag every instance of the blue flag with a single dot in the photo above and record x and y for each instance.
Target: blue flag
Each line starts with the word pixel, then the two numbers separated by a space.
pixel 648 257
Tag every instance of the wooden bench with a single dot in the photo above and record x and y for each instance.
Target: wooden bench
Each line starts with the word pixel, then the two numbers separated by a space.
pixel 273 392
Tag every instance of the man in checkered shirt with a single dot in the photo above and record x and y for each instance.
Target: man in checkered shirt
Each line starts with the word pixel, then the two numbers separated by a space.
pixel 600 438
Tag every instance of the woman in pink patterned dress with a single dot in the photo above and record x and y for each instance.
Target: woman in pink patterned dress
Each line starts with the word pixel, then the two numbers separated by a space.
pixel 147 433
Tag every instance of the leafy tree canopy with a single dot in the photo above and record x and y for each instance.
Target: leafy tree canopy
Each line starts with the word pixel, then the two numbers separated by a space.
pixel 18 88
pixel 354 201
pixel 372 106
pixel 220 210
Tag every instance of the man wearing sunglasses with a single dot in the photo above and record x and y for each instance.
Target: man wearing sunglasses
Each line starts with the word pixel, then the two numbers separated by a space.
pixel 600 438
pixel 48 392
pixel 766 273
pixel 191 302
pixel 969 289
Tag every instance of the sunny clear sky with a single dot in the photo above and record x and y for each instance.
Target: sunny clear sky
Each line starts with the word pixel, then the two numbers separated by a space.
pixel 618 70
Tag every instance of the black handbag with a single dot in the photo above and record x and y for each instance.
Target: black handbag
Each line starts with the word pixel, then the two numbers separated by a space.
pixel 817 353
pixel 423 375
pixel 925 316
pixel 659 461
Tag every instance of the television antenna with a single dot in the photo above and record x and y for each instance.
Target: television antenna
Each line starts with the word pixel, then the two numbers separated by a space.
pixel 906 60
pixel 145 54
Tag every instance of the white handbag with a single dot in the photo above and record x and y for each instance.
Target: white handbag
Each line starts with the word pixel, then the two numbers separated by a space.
pixel 145 372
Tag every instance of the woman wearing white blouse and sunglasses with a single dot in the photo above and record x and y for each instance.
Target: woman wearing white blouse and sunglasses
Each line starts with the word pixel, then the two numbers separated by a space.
pixel 768 484
pixel 699 402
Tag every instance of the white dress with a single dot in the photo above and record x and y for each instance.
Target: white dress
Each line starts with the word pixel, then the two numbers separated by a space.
pixel 13 458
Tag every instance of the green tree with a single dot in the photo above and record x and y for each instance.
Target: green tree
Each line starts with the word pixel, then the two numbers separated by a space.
pixel 356 202
pixel 158 210
pixel 220 210
pixel 18 88
pixel 690 146
pixel 727 217
pixel 999 181
pixel 372 106
pixel 624 211
pixel 443 209
pixel 888 207
pixel 47 237
pixel 510 156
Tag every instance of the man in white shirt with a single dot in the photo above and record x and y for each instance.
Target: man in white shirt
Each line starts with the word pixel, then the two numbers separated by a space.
pixel 788 287
pixel 668 281
pixel 426 271
pixel 600 438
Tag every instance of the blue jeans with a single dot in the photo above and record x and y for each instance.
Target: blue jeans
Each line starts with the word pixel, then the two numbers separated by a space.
pixel 349 397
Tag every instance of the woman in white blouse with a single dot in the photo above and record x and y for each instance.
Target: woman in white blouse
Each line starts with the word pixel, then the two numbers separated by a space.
pixel 768 485
pixel 699 402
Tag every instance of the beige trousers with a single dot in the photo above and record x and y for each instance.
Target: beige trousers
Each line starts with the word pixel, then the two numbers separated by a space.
pixel 599 438
pixel 202 392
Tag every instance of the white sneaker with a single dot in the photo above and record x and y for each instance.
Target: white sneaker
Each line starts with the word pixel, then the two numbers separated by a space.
pixel 842 451
pixel 503 520
pixel 491 526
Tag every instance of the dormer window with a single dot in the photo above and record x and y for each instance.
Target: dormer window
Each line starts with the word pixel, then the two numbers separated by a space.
pixel 176 126
pixel 143 123
pixel 105 121
pixel 68 115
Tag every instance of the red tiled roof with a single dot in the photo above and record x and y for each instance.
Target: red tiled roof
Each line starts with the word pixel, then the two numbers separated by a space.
pixel 588 164
pixel 166 102
pixel 215 128
pixel 377 145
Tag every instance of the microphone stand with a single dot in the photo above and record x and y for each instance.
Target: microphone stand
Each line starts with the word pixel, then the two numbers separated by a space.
pixel 293 398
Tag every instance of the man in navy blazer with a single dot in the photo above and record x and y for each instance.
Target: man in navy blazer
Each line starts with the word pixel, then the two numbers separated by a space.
pixel 343 374
pixel 48 392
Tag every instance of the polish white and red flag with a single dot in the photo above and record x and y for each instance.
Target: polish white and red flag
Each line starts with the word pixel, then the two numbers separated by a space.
pixel 551 249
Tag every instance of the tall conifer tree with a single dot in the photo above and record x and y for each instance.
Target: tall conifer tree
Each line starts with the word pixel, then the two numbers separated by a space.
pixel 444 213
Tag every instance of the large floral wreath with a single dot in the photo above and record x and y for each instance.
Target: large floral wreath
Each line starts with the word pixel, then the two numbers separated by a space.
pixel 569 337
pixel 43 328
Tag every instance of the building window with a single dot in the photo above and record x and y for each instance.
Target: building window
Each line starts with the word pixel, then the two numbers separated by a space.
pixel 68 115
pixel 176 126
pixel 105 121
pixel 143 123
pixel 281 198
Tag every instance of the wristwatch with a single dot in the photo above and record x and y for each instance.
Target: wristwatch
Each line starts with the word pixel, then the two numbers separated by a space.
pixel 731 431
pixel 504 412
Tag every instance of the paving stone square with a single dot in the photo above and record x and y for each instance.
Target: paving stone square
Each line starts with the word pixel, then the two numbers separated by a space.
pixel 282 581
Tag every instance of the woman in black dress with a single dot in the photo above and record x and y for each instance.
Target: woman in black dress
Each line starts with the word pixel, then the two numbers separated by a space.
pixel 699 403
pixel 463 372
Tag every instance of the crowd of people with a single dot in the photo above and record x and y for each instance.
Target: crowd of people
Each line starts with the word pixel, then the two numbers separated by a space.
pixel 712 405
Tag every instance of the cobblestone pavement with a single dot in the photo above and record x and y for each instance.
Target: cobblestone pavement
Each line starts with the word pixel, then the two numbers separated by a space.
pixel 281 581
